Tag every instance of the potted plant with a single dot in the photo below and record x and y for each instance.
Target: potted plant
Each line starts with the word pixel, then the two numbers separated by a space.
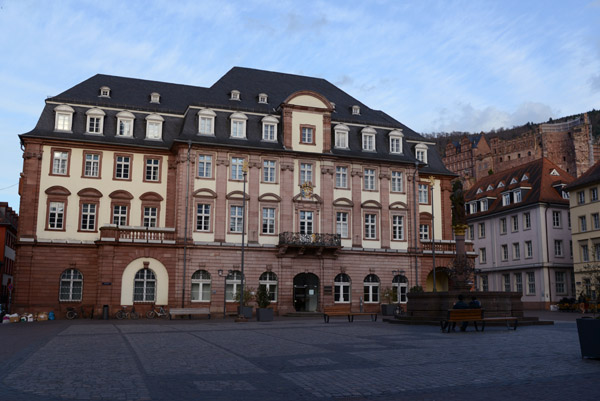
pixel 263 312
pixel 588 328
pixel 387 309
pixel 245 310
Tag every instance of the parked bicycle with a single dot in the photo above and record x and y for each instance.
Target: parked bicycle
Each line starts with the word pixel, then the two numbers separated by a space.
pixel 123 313
pixel 73 314
pixel 157 312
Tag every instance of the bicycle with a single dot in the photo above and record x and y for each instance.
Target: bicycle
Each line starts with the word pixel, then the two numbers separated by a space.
pixel 72 313
pixel 123 313
pixel 160 312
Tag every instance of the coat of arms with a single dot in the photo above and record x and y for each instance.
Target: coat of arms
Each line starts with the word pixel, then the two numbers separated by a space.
pixel 306 189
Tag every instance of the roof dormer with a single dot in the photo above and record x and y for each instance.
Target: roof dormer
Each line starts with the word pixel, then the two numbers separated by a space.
pixel 234 95
pixel 263 98
pixel 155 97
pixel 356 110
pixel 104 91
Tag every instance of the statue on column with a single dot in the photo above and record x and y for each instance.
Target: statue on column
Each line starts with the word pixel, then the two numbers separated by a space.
pixel 461 269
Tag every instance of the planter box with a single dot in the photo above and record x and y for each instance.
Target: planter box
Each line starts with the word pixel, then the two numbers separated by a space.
pixel 246 311
pixel 388 309
pixel 264 314
pixel 589 337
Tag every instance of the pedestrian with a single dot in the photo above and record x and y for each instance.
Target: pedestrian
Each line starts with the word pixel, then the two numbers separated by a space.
pixel 460 304
pixel 474 304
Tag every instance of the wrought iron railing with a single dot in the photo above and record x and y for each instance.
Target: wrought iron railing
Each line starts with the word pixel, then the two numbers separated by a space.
pixel 112 232
pixel 298 239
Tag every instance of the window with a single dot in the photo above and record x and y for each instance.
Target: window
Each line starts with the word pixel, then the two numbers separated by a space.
pixel 200 286
pixel 269 129
pixel 400 288
pixel 233 282
pixel 581 197
pixel 341 219
pixel 306 173
pixel 504 250
pixel 71 286
pixel 593 194
pixel 205 166
pixel 528 249
pixel 234 95
pixel 119 216
pixel 237 168
pixel 355 110
pixel 122 167
pixel 558 248
pixel 368 141
pixel 569 219
pixel 398 228
pixel 503 225
pixel 263 98
pixel 269 170
pixel 268 220
pixel 342 288
pixel 370 226
pixel 396 142
pixel 95 121
pixel 530 283
pixel 125 124
pixel 505 199
pixel 341 136
pixel 206 122
pixel 421 152
pixel 485 283
pixel 484 205
pixel 306 222
pixel 307 135
pixel 91 165
pixel 597 252
pixel 154 124
pixel 516 251
pixel 519 283
pixel 238 125
pixel 64 118
pixel 515 223
pixel 235 219
pixel 526 220
pixel 88 217
pixel 560 279
pixel 556 219
pixel 203 217
pixel 423 193
pixel 56 216
pixel 341 177
pixel 144 287
pixel 517 195
pixel 585 253
pixel 482 255
pixel 369 179
pixel 60 162
pixel 150 217
pixel 471 232
pixel 152 170
pixel 582 223
pixel 481 230
pixel 397 181
pixel 155 97
pixel 268 280
pixel 424 231
pixel 371 289
pixel 596 221
pixel 104 91
pixel 506 282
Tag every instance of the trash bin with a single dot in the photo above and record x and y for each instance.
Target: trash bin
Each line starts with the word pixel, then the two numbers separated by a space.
pixel 105 312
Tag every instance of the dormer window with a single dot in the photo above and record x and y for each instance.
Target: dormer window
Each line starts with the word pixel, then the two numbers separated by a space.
pixel 517 195
pixel 490 187
pixel 554 172
pixel 332 106
pixel 506 199
pixel 238 125
pixel 64 118
pixel 95 121
pixel 525 177
pixel 368 139
pixel 154 97
pixel 479 190
pixel 421 152
pixel 154 124
pixel 269 131
pixel 483 205
pixel 235 95
pixel 501 184
pixel 341 136
pixel 263 98
pixel 105 91
pixel 356 110
pixel 206 122
pixel 125 124
pixel 396 142
pixel 513 181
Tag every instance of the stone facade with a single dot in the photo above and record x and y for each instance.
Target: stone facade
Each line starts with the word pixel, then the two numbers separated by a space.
pixel 9 222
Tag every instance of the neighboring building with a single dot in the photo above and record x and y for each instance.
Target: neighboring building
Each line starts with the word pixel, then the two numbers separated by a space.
pixel 338 202
pixel 9 221
pixel 469 157
pixel 585 223
pixel 519 223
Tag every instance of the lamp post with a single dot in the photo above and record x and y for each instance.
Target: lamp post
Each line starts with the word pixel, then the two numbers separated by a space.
pixel 245 173
pixel 185 235
pixel 432 182
pixel 416 231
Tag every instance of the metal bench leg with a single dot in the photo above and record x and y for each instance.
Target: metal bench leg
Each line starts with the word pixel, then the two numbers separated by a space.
pixel 475 324
pixel 326 318
pixel 483 325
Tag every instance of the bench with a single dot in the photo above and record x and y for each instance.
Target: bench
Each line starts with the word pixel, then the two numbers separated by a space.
pixel 474 315
pixel 343 310
pixel 188 311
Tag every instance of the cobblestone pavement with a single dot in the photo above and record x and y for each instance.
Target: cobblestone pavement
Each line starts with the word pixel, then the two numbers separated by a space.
pixel 289 359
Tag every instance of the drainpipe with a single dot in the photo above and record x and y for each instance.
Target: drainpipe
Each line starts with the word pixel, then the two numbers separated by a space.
pixel 416 230
pixel 185 238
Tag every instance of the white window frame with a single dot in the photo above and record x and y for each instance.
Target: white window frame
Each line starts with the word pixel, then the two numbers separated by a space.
pixel 505 199
pixel 145 280
pixel 269 172
pixel 269 129
pixel 342 289
pixel 203 212
pixel 504 252
pixel 63 120
pixel 341 177
pixel 398 227
pixel 396 142
pixel 593 194
pixel 306 173
pixel 124 163
pixel 482 255
pixel 232 283
pixel 150 216
pixel 517 195
pixel 397 184
pixel 119 215
pixel 558 248
pixel 368 139
pixel 88 216
pixel 268 220
pixel 341 224
pixel 200 279
pixel 60 162
pixel 423 193
pixel 56 215
pixel 91 166
pixel 581 197
pixel 154 123
pixel 503 226
pixel 206 122
pixel 71 286
pixel 237 169
pixel 341 136
pixel 421 152
pixel 424 232
pixel 528 249
pixel 481 230
pixel 516 251
pixel 514 220
pixel 526 220
pixel 583 223
pixel 306 222
pixel 400 287
pixel 263 98
pixel 236 219
pixel 371 286
pixel 238 125
pixel 104 91
pixel 205 166
pixel 530 283
pixel 369 179
pixel 152 169
pixel 370 226
pixel 270 281
pixel 560 280
pixel 596 221
pixel 97 116
pixel 125 121
pixel 556 219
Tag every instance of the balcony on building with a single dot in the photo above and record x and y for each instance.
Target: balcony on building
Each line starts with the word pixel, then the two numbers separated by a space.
pixel 314 244
pixel 144 235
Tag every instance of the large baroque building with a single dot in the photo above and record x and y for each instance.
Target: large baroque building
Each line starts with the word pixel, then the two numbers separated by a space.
pixel 133 193
pixel 519 223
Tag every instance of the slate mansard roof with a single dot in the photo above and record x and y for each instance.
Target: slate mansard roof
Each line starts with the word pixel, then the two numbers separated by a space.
pixel 179 105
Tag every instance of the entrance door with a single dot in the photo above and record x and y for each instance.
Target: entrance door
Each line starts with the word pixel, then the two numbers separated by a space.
pixel 306 292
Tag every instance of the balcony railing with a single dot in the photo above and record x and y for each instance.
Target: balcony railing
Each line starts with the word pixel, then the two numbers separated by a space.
pixel 444 247
pixel 310 240
pixel 153 235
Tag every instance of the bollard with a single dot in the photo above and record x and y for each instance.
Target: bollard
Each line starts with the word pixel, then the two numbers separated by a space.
pixel 105 312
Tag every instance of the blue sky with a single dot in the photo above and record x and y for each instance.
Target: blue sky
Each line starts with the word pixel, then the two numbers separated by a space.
pixel 433 65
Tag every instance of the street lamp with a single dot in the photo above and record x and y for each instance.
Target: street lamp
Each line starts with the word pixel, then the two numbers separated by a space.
pixel 432 182
pixel 245 173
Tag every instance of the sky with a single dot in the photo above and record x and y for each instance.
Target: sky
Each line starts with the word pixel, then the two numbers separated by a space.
pixel 436 66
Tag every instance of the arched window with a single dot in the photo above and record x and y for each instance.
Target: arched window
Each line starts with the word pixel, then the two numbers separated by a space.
pixel 371 289
pixel 233 282
pixel 201 286
pixel 71 286
pixel 400 286
pixel 269 280
pixel 144 286
pixel 342 288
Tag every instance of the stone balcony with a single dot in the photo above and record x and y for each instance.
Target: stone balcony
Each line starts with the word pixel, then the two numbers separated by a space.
pixel 314 243
pixel 443 247
pixel 141 235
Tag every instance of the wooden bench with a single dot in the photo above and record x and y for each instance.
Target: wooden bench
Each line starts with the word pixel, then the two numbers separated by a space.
pixel 474 315
pixel 344 310
pixel 188 311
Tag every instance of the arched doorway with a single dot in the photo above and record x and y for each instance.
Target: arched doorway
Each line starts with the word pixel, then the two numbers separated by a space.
pixel 306 292
pixel 441 280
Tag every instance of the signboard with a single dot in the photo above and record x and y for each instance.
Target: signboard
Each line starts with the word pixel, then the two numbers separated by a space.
pixel 327 290
pixel 106 283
